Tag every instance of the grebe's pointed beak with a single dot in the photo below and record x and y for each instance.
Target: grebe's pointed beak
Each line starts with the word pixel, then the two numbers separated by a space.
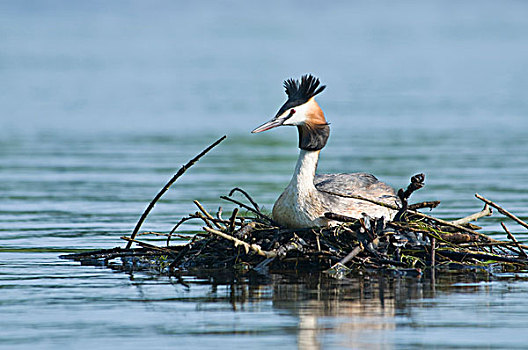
pixel 269 125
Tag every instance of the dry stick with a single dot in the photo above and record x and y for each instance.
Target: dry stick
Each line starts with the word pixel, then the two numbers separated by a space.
pixel 204 219
pixel 223 221
pixel 480 256
pixel 483 244
pixel 512 247
pixel 477 252
pixel 318 241
pixel 247 246
pixel 162 234
pixel 504 251
pixel 232 220
pixel 178 225
pixel 206 213
pixel 339 217
pixel 255 205
pixel 417 182
pixel 177 235
pixel 227 222
pixel 430 204
pixel 152 233
pixel 180 172
pixel 502 210
pixel 113 253
pixel 147 245
pixel 246 207
pixel 487 211
pixel 512 237
pixel 443 222
pixel 351 255
pixel 190 217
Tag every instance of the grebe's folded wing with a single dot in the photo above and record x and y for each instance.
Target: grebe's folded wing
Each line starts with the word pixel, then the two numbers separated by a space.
pixel 358 184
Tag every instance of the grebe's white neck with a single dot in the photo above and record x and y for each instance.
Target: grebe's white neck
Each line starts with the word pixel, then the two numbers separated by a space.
pixel 300 204
pixel 304 174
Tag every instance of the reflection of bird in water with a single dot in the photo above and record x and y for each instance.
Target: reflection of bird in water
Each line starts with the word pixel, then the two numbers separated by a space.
pixel 306 199
pixel 357 314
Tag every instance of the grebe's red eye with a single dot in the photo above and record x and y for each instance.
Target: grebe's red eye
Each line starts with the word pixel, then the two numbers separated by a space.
pixel 292 111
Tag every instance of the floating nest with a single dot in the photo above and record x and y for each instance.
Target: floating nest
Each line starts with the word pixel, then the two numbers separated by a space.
pixel 249 240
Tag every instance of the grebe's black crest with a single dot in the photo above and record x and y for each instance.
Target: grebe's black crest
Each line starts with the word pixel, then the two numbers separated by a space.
pixel 300 91
pixel 303 90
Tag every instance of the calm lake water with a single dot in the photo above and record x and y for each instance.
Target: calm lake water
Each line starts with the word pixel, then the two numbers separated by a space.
pixel 101 102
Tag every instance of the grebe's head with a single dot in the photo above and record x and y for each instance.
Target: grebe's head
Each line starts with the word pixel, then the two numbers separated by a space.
pixel 300 109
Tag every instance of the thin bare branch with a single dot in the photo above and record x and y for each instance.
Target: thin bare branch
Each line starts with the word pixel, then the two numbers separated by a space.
pixel 147 245
pixel 512 237
pixel 254 247
pixel 165 188
pixel 242 205
pixel 232 220
pixel 421 205
pixel 502 210
pixel 208 215
pixel 255 205
pixel 487 211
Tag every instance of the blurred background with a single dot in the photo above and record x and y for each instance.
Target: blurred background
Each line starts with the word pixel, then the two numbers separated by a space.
pixel 102 101
pixel 137 67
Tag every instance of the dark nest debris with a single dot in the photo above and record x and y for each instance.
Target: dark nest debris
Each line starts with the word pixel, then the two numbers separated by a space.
pixel 410 243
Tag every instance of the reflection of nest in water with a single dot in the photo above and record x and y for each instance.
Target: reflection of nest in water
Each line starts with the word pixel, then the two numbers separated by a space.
pixel 409 243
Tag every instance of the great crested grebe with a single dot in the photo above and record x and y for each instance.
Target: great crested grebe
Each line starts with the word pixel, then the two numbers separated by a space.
pixel 306 199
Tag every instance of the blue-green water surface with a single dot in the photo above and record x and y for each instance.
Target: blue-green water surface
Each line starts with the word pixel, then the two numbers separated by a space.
pixel 101 102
